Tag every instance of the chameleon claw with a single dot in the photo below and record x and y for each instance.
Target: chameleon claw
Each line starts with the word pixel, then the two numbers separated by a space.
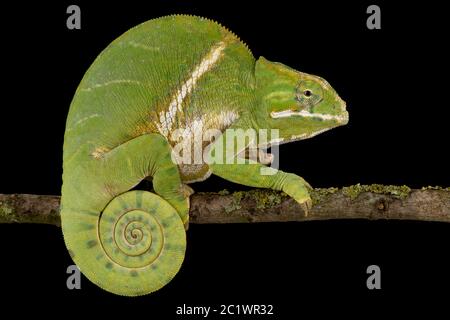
pixel 306 206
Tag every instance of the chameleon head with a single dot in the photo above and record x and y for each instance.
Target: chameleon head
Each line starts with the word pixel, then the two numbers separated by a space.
pixel 298 104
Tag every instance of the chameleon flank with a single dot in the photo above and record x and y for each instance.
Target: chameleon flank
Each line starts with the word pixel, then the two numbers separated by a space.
pixel 168 74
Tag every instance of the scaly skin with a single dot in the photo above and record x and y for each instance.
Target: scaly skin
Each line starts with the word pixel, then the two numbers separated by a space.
pixel 172 73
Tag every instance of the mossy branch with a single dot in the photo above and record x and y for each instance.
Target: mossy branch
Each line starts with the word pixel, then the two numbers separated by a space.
pixel 260 205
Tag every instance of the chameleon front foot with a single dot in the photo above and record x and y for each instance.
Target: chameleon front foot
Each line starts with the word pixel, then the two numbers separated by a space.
pixel 297 188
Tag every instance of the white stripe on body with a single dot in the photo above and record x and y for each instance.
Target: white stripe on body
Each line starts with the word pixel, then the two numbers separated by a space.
pixel 167 118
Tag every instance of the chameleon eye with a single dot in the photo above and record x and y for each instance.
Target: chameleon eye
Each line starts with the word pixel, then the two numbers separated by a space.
pixel 307 93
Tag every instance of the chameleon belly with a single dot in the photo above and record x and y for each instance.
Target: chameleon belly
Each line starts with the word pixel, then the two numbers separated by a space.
pixel 153 81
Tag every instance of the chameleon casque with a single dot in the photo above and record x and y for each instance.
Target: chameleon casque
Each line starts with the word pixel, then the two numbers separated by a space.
pixel 175 72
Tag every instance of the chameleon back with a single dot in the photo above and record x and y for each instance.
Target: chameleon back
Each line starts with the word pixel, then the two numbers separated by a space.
pixel 140 75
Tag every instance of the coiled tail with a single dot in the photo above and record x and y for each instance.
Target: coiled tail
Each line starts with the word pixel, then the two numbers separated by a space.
pixel 134 247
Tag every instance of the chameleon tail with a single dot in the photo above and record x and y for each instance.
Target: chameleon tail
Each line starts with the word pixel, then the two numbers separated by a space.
pixel 135 247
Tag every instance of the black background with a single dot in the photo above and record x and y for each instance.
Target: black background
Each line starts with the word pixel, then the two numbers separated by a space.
pixel 398 134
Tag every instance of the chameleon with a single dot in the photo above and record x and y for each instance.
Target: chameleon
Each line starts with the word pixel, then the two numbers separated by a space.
pixel 157 84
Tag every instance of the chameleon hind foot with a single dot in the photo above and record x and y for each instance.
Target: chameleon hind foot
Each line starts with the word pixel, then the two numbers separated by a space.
pixel 186 190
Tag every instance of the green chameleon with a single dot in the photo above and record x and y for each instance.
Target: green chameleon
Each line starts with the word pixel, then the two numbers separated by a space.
pixel 169 74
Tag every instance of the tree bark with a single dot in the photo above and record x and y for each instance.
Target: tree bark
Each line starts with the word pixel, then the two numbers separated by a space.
pixel 260 205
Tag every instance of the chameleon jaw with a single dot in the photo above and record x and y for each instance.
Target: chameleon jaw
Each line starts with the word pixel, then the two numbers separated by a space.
pixel 306 114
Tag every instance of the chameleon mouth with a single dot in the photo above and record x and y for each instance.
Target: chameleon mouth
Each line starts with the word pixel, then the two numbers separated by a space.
pixel 306 114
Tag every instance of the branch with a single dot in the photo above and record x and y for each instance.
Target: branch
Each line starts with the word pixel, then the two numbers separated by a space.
pixel 260 205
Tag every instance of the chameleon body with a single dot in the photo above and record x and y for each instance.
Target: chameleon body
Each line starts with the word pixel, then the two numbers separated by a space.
pixel 169 74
